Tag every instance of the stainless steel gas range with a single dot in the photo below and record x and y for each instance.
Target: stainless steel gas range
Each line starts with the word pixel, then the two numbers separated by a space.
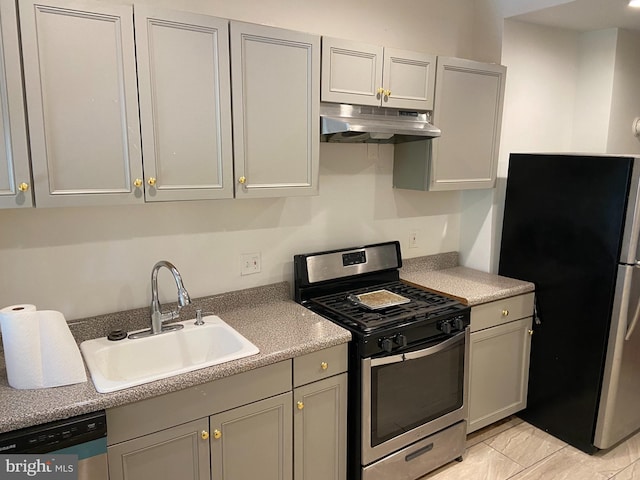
pixel 408 361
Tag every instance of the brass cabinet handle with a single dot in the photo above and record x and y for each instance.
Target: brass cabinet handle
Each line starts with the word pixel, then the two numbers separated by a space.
pixel 242 180
pixel 151 181
pixel 204 434
pixel 387 93
pixel 505 313
pixel 324 365
pixel 530 332
pixel 381 90
pixel 23 187
pixel 217 434
pixel 137 182
pixel 300 405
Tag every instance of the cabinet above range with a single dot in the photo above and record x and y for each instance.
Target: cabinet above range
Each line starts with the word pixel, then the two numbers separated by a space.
pixel 363 74
pixel 92 90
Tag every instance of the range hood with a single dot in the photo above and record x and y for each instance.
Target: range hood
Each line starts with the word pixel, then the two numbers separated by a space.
pixel 360 124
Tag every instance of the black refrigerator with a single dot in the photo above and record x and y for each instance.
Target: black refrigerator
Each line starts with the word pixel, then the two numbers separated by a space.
pixel 571 226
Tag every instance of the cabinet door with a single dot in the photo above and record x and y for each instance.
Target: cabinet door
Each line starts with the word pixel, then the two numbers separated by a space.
pixel 253 441
pixel 178 452
pixel 408 79
pixel 320 430
pixel 468 110
pixel 276 102
pixel 15 175
pixel 351 72
pixel 499 372
pixel 80 83
pixel 185 104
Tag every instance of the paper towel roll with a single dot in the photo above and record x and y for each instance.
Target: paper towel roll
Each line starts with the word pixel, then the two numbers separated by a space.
pixel 39 349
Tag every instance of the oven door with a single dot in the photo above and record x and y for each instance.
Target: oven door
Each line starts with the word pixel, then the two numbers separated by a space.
pixel 408 396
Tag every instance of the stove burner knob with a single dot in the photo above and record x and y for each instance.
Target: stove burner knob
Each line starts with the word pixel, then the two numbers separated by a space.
pixel 386 344
pixel 400 340
pixel 458 324
pixel 445 327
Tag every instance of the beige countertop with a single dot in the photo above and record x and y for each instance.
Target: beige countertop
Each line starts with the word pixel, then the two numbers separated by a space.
pixel 279 327
pixel 470 286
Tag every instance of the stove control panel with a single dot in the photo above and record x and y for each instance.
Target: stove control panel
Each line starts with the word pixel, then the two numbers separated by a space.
pixel 453 325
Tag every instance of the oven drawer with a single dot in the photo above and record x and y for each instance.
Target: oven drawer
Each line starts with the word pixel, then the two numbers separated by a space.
pixel 501 311
pixel 318 365
pixel 421 457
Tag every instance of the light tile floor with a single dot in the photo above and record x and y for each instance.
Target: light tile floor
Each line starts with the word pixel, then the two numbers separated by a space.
pixel 515 450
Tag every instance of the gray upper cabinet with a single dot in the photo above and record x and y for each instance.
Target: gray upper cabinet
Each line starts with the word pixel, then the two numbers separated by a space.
pixel 185 104
pixel 15 173
pixel 276 101
pixel 80 85
pixel 468 110
pixel 363 74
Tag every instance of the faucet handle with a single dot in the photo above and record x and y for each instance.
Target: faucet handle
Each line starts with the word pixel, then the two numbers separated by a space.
pixel 171 315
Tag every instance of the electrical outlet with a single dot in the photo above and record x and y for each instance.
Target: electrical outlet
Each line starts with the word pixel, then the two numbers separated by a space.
pixel 250 263
pixel 413 239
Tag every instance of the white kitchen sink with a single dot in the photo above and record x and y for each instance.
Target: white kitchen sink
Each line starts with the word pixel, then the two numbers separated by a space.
pixel 115 365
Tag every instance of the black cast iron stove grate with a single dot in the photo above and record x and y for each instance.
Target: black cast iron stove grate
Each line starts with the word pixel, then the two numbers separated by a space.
pixel 423 305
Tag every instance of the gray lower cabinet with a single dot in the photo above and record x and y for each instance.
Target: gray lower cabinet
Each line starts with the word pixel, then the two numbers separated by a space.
pixel 279 422
pixel 177 452
pixel 500 347
pixel 319 429
pixel 253 441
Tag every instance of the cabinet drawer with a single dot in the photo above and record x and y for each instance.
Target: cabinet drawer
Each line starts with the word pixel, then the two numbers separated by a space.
pixel 501 311
pixel 318 365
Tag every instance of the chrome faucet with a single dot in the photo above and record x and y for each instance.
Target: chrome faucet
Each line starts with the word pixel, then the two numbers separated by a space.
pixel 157 316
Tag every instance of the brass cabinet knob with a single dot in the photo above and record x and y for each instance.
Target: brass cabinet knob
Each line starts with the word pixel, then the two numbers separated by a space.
pixel 137 182
pixel 505 313
pixel 530 332
pixel 381 90
pixel 300 405
pixel 324 365
pixel 217 434
pixel 387 93
pixel 23 187
pixel 242 180
pixel 151 181
pixel 204 434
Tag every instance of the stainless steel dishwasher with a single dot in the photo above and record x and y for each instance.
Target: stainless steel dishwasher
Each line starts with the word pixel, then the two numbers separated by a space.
pixel 84 436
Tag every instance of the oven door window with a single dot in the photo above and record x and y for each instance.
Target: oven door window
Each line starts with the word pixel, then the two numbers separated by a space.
pixel 415 389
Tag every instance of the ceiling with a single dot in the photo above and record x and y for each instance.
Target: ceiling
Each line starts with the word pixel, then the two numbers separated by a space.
pixel 586 15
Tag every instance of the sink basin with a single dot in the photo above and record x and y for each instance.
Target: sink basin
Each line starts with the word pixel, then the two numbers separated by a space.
pixel 115 365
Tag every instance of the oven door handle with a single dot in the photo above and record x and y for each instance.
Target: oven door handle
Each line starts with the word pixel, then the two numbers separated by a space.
pixel 436 348
pixel 376 362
